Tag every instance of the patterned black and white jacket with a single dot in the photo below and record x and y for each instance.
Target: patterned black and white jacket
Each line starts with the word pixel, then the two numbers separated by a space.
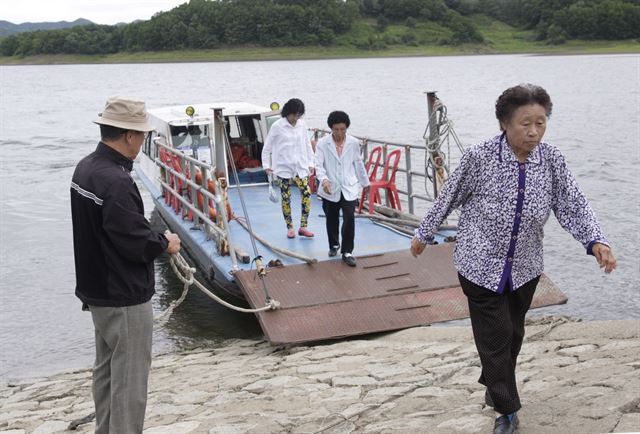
pixel 504 206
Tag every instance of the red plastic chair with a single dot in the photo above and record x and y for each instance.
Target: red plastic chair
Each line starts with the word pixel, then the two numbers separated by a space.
pixel 371 168
pixel 387 182
pixel 375 153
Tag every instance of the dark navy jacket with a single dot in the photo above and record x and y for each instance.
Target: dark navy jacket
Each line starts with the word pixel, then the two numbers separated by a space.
pixel 114 245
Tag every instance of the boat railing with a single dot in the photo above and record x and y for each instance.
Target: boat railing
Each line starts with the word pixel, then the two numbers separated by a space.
pixel 438 133
pixel 179 182
pixel 407 170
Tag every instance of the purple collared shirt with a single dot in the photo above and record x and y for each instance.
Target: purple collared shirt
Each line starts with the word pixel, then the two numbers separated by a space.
pixel 504 206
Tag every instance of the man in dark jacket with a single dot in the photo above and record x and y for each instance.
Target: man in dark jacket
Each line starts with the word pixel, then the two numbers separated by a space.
pixel 114 248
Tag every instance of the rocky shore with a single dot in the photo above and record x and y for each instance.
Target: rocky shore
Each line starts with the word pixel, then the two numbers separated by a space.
pixel 574 378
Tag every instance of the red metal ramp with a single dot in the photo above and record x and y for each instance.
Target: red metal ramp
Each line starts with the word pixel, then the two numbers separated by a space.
pixel 383 292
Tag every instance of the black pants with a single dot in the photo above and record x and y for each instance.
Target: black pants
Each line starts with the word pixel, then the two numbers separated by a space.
pixel 332 212
pixel 497 321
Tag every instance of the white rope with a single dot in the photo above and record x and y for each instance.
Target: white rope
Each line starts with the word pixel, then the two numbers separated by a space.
pixel 185 273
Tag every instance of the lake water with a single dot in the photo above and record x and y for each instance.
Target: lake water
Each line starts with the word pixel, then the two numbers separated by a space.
pixel 46 115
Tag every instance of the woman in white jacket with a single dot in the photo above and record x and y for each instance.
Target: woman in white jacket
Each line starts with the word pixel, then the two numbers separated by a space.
pixel 287 153
pixel 341 172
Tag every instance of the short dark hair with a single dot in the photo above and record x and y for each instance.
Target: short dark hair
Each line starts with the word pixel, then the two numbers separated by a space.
pixel 338 117
pixel 109 132
pixel 292 107
pixel 518 96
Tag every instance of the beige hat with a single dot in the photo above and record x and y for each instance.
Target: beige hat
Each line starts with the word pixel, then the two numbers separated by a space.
pixel 125 113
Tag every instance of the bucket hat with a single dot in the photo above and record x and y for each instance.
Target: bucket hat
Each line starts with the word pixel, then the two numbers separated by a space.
pixel 125 113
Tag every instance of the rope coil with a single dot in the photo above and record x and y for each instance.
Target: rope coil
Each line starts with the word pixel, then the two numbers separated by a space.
pixel 186 274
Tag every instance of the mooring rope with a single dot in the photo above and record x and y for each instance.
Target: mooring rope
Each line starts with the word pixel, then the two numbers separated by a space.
pixel 185 274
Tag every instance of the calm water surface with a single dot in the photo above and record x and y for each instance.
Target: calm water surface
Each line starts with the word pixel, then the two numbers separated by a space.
pixel 46 115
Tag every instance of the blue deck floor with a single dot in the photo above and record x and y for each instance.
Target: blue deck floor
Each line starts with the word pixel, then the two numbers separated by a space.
pixel 268 222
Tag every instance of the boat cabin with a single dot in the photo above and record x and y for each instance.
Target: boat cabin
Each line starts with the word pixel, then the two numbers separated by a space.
pixel 190 129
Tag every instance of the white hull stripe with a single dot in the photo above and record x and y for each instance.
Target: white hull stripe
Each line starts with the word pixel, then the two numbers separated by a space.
pixel 86 193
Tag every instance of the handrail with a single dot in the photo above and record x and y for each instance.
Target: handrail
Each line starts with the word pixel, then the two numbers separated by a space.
pixel 188 204
pixel 196 211
pixel 181 154
pixel 369 139
pixel 439 131
pixel 366 141
pixel 211 227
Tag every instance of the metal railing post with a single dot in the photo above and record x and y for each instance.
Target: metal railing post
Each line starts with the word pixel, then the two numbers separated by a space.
pixel 434 136
pixel 407 156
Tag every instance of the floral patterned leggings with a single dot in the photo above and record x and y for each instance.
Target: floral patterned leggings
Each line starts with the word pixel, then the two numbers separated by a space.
pixel 285 193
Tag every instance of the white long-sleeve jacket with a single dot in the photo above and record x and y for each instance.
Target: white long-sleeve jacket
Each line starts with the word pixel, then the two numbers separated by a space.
pixel 346 172
pixel 287 150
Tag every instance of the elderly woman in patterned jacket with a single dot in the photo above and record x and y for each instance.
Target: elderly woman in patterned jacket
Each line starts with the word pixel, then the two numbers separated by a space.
pixel 506 187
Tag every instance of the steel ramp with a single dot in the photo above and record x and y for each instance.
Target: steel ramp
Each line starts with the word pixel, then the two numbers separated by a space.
pixel 383 292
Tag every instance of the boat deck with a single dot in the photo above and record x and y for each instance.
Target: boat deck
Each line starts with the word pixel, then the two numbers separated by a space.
pixel 383 292
pixel 267 221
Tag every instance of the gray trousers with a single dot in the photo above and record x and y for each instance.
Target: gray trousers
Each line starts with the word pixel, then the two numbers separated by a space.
pixel 121 370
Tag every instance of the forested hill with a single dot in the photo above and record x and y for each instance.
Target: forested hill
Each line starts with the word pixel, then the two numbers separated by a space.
pixel 365 24
pixel 7 28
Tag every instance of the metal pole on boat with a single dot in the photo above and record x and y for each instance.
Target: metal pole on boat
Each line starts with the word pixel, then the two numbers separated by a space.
pixel 434 134
pixel 407 154
pixel 260 269
pixel 220 167
pixel 217 150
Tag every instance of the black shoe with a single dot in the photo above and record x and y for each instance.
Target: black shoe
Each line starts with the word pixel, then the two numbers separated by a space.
pixel 349 259
pixel 333 251
pixel 505 426
pixel 487 398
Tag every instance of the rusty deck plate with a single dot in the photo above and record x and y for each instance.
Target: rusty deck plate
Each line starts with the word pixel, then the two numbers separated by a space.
pixel 383 292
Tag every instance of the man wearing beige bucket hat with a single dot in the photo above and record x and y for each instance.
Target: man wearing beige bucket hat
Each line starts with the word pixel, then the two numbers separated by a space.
pixel 114 249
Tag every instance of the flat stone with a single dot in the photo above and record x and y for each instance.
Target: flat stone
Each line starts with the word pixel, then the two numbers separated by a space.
pixel 466 424
pixel 233 429
pixel 340 394
pixel 553 361
pixel 352 381
pixel 176 428
pixel 163 409
pixel 578 349
pixel 316 368
pixel 192 397
pixel 434 391
pixel 51 427
pixel 381 371
pixel 629 422
pixel 261 386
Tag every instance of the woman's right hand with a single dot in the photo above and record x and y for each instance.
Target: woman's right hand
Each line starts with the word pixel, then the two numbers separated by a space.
pixel 174 242
pixel 417 247
pixel 605 257
pixel 268 171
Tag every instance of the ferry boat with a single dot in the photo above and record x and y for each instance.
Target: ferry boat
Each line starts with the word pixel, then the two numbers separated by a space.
pixel 202 166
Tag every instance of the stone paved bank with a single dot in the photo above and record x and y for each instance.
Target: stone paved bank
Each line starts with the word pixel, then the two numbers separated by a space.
pixel 574 378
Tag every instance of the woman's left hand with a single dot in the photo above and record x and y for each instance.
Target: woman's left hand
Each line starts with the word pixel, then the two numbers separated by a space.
pixel 605 257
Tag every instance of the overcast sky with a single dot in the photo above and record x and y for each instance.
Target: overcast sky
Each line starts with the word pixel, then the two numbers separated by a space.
pixel 98 11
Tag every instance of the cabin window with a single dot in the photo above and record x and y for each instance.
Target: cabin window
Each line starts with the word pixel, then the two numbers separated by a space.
pixel 256 128
pixel 234 127
pixel 186 137
pixel 246 148
pixel 149 147
pixel 271 120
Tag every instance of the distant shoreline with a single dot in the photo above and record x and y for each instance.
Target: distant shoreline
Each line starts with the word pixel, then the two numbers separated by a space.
pixel 252 54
